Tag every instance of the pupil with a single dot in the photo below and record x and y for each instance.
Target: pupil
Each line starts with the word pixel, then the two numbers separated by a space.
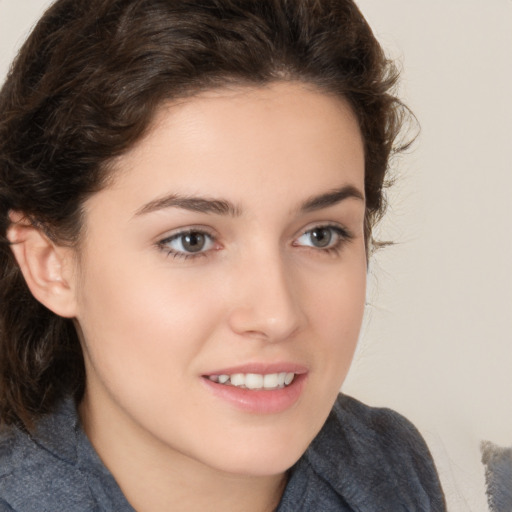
pixel 193 242
pixel 321 237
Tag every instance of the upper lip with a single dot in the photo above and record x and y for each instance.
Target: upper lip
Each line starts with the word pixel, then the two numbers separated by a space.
pixel 261 368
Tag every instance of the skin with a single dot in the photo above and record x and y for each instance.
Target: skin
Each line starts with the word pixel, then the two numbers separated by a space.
pixel 152 324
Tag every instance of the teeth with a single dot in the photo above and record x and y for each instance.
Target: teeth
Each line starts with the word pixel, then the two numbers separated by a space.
pixel 288 378
pixel 271 381
pixel 238 379
pixel 255 380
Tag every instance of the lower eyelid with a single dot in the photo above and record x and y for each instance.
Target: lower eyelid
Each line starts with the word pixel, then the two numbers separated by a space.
pixel 340 233
pixel 164 243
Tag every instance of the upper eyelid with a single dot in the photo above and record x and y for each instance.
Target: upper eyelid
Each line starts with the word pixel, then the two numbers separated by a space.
pixel 175 233
pixel 342 230
pixel 163 244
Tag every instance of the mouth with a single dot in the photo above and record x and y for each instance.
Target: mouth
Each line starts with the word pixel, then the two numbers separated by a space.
pixel 259 388
pixel 255 381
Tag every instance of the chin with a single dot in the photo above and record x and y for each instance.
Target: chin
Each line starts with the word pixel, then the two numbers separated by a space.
pixel 263 455
pixel 270 463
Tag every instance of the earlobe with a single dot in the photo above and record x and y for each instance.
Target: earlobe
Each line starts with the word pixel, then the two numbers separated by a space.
pixel 46 266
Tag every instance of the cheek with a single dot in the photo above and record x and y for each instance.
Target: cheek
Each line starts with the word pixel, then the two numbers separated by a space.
pixel 336 313
pixel 338 294
pixel 143 331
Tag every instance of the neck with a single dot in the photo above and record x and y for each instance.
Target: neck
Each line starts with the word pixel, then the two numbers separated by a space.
pixel 192 492
pixel 152 488
pixel 154 479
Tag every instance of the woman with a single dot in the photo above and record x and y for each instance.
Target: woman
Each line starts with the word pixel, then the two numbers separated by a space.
pixel 187 196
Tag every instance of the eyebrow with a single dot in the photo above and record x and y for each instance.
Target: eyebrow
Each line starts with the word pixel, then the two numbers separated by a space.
pixel 223 207
pixel 331 198
pixel 192 203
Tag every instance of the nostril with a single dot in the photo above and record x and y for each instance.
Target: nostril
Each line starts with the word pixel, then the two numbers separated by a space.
pixel 257 324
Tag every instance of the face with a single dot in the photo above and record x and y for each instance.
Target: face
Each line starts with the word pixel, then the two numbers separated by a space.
pixel 222 279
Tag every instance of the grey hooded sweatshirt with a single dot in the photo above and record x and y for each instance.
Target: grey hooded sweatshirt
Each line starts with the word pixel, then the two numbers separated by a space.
pixel 363 460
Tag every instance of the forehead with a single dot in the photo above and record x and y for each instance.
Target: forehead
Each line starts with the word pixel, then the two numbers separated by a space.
pixel 284 139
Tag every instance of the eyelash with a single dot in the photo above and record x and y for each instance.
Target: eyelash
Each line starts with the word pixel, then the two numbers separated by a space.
pixel 342 236
pixel 164 244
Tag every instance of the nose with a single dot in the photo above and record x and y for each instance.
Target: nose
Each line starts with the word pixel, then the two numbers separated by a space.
pixel 266 300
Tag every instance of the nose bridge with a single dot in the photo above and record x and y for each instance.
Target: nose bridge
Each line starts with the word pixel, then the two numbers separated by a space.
pixel 267 301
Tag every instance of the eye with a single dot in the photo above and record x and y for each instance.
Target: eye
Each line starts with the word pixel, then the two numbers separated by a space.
pixel 323 237
pixel 188 243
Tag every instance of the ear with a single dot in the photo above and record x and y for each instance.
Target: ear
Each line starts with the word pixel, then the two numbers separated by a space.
pixel 48 268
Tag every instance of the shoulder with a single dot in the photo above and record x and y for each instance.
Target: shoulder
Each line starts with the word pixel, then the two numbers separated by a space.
pixel 394 435
pixel 374 456
pixel 7 452
pixel 37 477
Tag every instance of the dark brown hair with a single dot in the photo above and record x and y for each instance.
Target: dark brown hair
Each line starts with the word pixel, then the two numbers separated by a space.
pixel 84 88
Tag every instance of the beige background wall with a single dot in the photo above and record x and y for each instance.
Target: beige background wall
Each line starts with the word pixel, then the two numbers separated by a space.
pixel 437 340
pixel 438 346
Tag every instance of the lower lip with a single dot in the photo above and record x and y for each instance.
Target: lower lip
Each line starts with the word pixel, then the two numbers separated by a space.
pixel 259 401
